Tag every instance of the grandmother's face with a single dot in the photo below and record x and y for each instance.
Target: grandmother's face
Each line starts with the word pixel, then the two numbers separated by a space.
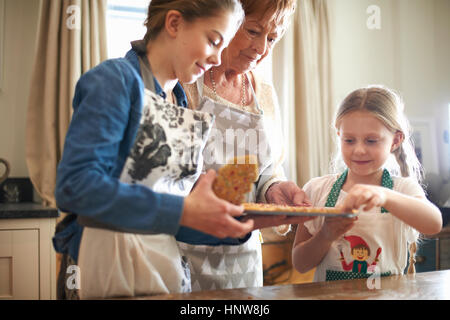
pixel 252 43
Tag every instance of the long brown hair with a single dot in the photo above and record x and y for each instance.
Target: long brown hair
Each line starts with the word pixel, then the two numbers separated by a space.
pixel 189 9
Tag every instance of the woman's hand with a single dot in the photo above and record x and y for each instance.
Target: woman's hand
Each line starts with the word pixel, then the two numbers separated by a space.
pixel 283 193
pixel 365 195
pixel 287 193
pixel 205 212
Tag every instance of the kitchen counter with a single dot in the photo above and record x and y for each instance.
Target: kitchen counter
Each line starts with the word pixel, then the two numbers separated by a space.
pixel 424 286
pixel 25 210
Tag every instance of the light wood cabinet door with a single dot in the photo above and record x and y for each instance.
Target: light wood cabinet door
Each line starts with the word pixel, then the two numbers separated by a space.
pixel 19 264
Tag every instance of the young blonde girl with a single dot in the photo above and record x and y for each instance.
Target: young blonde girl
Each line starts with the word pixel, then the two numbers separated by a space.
pixel 375 144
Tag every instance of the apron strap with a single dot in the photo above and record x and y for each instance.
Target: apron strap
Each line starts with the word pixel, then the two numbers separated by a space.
pixel 254 95
pixel 336 189
pixel 386 181
pixel 200 83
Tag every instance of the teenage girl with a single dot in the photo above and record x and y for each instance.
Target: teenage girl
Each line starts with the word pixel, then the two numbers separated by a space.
pixel 118 224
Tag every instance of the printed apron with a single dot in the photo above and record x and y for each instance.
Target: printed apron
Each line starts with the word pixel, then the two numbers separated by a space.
pixel 234 133
pixel 166 157
pixel 364 250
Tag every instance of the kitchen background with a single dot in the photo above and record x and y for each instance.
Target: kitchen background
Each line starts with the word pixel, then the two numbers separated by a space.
pixel 403 44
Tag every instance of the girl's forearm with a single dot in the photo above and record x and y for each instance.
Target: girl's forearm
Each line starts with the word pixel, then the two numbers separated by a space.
pixel 308 254
pixel 420 214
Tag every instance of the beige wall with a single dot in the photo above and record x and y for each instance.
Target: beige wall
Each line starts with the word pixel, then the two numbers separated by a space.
pixel 20 26
pixel 442 69
pixel 410 53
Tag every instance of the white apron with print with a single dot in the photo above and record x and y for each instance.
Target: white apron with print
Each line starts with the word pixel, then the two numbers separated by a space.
pixel 166 157
pixel 361 251
pixel 373 246
pixel 234 133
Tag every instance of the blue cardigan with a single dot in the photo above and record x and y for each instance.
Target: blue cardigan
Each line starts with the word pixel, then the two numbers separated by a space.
pixel 106 113
pixel 107 109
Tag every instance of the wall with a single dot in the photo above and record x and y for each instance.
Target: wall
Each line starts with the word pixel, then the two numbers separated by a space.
pixel 442 69
pixel 409 53
pixel 20 28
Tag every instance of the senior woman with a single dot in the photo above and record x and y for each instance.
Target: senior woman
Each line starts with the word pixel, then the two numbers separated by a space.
pixel 246 109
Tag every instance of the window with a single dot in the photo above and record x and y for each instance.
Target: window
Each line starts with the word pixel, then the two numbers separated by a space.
pixel 125 23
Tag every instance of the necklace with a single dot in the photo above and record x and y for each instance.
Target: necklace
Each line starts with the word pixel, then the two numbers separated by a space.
pixel 244 88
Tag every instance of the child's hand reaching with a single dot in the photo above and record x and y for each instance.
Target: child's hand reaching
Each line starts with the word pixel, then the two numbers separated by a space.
pixel 335 227
pixel 365 195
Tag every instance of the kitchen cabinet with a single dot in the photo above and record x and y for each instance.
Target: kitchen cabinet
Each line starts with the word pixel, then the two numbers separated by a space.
pixel 434 252
pixel 27 257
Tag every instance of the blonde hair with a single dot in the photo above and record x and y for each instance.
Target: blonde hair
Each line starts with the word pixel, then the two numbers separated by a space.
pixel 190 10
pixel 388 107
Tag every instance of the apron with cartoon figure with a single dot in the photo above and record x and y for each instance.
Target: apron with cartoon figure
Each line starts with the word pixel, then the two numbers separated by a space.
pixel 166 157
pixel 235 133
pixel 361 254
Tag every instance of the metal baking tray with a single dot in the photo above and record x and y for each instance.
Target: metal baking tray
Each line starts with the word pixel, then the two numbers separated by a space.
pixel 301 214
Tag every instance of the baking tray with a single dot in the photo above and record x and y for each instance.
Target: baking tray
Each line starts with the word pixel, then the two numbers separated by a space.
pixel 301 214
